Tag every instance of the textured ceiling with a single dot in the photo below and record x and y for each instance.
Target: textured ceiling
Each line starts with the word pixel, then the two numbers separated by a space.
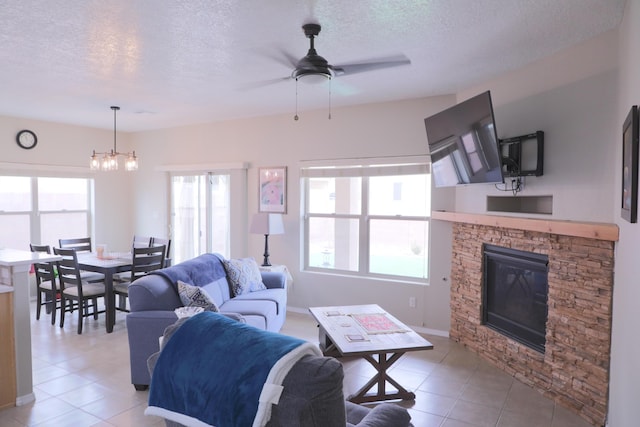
pixel 176 62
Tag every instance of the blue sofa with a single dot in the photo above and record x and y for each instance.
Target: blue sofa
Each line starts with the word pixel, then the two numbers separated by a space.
pixel 153 299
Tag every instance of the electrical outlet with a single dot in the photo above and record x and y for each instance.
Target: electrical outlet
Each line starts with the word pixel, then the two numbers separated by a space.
pixel 412 302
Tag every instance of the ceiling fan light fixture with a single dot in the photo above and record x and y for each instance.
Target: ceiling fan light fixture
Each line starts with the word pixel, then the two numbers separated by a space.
pixel 313 68
pixel 312 77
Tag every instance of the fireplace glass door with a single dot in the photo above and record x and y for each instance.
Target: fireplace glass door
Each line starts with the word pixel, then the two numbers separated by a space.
pixel 515 292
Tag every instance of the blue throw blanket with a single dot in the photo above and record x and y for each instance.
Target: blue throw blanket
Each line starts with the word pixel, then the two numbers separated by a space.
pixel 197 271
pixel 215 371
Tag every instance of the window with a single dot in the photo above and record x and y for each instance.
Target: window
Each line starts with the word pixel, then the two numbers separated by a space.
pixel 201 215
pixel 15 211
pixel 368 220
pixel 63 204
pixel 42 210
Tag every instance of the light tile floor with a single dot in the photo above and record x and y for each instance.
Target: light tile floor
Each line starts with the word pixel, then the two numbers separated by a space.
pixel 83 380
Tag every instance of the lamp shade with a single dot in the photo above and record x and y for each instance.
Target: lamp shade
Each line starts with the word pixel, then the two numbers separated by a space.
pixel 267 223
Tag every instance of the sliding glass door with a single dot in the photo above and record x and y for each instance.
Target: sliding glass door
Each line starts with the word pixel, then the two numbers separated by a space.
pixel 200 214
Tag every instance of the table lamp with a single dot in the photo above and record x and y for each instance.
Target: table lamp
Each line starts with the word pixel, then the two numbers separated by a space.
pixel 266 223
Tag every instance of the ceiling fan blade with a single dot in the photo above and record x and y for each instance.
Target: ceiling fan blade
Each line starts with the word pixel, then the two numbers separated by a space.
pixel 371 65
pixel 284 58
pixel 263 83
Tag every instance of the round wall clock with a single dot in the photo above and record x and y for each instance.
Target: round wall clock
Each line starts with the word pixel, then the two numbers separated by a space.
pixel 26 139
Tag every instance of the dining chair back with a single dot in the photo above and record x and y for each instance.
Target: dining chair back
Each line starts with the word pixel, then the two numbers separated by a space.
pixel 141 241
pixel 157 241
pixel 45 284
pixel 82 244
pixel 74 289
pixel 145 260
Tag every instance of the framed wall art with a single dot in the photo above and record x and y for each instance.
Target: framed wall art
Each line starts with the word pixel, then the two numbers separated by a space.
pixel 272 189
pixel 630 166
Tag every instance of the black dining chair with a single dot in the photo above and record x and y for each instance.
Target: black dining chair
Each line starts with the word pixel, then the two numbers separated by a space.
pixel 156 241
pixel 145 260
pixel 138 242
pixel 141 241
pixel 82 244
pixel 74 289
pixel 45 284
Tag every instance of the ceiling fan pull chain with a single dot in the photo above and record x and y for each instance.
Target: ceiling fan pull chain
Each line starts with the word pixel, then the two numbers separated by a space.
pixel 296 116
pixel 329 98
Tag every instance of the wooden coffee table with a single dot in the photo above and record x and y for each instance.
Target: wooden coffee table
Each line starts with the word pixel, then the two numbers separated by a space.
pixel 367 331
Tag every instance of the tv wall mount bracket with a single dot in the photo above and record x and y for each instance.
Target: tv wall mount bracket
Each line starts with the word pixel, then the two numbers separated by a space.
pixel 519 154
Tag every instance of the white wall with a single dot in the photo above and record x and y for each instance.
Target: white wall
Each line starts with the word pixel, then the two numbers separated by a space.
pixel 578 117
pixel 624 387
pixel 66 149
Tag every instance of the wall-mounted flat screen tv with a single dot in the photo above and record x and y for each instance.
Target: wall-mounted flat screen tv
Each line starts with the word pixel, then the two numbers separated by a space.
pixel 463 144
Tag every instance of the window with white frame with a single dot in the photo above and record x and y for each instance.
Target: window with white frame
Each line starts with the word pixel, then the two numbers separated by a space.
pixel 41 210
pixel 368 219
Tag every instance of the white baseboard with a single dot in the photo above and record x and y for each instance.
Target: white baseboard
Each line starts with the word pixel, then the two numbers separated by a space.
pixel 23 400
pixel 299 310
pixel 428 331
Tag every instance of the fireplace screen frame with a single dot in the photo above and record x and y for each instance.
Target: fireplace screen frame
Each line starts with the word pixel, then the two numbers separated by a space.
pixel 526 260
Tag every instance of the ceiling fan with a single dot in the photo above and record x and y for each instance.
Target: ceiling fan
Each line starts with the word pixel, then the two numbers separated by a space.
pixel 315 66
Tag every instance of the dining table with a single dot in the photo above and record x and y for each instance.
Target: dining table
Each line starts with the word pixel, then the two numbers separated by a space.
pixel 107 264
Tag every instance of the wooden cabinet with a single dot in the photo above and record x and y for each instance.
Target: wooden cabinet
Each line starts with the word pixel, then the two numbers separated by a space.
pixel 7 350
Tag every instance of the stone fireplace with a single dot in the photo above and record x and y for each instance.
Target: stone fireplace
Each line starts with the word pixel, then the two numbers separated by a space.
pixel 573 368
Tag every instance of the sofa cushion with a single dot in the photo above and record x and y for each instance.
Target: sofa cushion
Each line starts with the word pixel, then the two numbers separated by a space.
pixel 244 275
pixel 278 296
pixel 194 296
pixel 266 309
pixel 218 290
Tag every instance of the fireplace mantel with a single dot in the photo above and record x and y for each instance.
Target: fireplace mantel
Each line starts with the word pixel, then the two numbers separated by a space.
pixel 589 230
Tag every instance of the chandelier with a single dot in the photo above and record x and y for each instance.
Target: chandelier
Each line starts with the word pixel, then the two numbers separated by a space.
pixel 108 161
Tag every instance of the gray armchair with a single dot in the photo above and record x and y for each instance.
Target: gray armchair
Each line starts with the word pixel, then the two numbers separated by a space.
pixel 312 396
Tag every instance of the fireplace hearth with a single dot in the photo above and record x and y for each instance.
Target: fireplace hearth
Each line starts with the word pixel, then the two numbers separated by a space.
pixel 515 292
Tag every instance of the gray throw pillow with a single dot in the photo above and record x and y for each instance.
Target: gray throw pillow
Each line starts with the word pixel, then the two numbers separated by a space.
pixel 244 275
pixel 194 296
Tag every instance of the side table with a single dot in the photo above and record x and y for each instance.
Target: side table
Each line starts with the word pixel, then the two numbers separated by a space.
pixel 280 268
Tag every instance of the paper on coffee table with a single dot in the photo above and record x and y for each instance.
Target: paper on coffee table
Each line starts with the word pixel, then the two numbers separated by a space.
pixel 377 323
